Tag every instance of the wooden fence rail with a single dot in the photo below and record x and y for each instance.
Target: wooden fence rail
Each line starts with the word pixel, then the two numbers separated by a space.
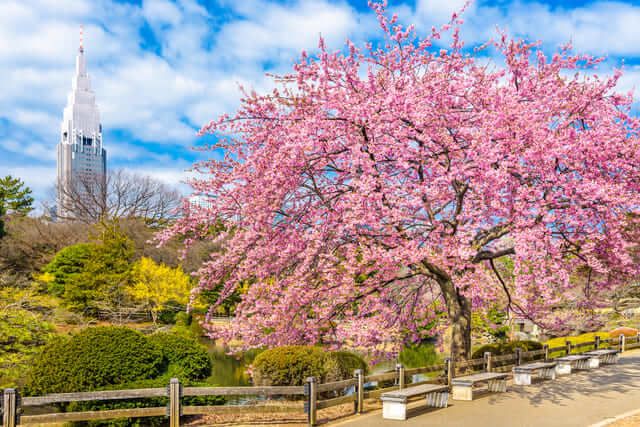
pixel 296 399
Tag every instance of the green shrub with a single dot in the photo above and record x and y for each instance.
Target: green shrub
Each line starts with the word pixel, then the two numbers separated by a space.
pixel 22 335
pixel 293 364
pixel 185 357
pixel 94 358
pixel 499 349
pixel 183 318
pixel 288 365
pixel 339 365
pixel 418 355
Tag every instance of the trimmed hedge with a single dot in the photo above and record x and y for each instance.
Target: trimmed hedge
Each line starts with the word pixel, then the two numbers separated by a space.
pixel 107 356
pixel 499 349
pixel 293 364
pixel 116 358
pixel 339 365
pixel 94 358
pixel 186 358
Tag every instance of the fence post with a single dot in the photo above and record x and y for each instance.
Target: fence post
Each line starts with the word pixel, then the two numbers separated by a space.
pixel 401 379
pixel 174 402
pixel 568 344
pixel 448 369
pixel 312 400
pixel 518 352
pixel 359 391
pixel 596 344
pixel 9 406
pixel 487 360
pixel 638 338
pixel 622 342
pixel 545 347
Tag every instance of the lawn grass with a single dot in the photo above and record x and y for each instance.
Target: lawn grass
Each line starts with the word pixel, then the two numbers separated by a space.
pixel 561 342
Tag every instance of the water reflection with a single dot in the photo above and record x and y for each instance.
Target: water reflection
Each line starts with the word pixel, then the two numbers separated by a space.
pixel 231 370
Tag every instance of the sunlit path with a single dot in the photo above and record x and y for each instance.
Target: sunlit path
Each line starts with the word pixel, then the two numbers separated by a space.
pixel 580 399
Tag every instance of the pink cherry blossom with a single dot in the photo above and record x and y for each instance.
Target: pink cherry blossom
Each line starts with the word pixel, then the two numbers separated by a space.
pixel 370 196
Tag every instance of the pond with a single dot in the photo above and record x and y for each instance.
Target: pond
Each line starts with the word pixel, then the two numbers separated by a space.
pixel 231 370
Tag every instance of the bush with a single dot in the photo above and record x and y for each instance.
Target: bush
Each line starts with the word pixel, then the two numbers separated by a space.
pixel 499 349
pixel 22 334
pixel 339 365
pixel 627 332
pixel 292 365
pixel 92 359
pixel 185 357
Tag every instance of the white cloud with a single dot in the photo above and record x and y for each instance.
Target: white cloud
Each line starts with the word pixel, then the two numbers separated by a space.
pixel 440 11
pixel 269 31
pixel 163 94
pixel 602 27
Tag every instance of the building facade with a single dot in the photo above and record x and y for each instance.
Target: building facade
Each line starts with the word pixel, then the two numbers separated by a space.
pixel 82 160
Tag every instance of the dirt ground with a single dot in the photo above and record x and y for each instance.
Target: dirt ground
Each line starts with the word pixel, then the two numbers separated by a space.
pixel 278 419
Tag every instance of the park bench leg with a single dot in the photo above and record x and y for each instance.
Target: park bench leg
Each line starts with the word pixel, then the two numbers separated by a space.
pixel 394 410
pixel 522 378
pixel 563 368
pixel 462 392
pixel 438 399
pixel 548 373
pixel 498 386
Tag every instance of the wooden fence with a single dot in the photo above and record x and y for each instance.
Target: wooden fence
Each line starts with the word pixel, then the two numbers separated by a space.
pixel 297 399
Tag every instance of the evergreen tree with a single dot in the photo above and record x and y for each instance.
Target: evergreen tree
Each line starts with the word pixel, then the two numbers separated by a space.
pixel 15 198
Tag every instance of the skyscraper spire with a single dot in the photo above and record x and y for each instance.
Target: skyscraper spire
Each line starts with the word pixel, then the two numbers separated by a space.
pixel 81 157
pixel 81 49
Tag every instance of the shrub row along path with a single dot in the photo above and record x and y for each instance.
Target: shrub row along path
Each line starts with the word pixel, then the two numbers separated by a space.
pixel 580 399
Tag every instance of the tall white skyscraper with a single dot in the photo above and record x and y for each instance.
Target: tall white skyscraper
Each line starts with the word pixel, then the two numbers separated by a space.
pixel 82 162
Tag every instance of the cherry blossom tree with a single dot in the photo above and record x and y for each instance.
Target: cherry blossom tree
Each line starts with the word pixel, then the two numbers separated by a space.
pixel 370 194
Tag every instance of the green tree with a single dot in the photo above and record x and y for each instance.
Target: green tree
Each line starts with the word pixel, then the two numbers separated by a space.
pixel 15 198
pixel 89 277
pixel 66 267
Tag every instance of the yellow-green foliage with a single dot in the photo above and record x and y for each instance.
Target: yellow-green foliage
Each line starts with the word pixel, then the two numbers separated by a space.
pixel 575 340
pixel 155 285
pixel 498 349
pixel 22 333
pixel 292 364
pixel 590 336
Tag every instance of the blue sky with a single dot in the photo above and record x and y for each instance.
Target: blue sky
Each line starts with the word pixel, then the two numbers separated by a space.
pixel 162 68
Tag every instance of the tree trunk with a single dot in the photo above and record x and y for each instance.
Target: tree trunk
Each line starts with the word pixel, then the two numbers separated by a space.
pixel 459 311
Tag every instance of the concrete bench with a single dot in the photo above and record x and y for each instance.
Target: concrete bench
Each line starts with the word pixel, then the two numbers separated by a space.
pixel 462 387
pixel 522 373
pixel 394 403
pixel 577 361
pixel 605 356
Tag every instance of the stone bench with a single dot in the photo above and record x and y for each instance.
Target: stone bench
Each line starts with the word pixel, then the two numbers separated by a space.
pixel 576 361
pixel 394 403
pixel 462 387
pixel 522 373
pixel 605 356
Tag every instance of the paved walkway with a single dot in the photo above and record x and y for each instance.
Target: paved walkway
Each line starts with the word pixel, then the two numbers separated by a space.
pixel 579 400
